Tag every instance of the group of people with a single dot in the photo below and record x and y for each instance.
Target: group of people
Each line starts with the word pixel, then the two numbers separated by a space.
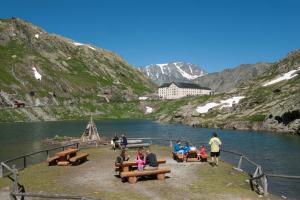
pixel 214 143
pixel 119 142
pixel 145 159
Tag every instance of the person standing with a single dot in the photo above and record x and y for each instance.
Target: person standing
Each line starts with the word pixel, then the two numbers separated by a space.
pixel 124 141
pixel 215 144
pixel 115 141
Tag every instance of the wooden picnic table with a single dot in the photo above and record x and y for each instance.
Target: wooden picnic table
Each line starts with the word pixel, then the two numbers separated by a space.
pixel 124 167
pixel 67 156
pixel 67 152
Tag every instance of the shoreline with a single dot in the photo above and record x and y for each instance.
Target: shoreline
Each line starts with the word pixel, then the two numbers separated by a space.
pixel 166 122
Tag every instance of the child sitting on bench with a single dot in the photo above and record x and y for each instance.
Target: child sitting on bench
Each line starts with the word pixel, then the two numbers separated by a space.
pixel 140 159
pixel 202 154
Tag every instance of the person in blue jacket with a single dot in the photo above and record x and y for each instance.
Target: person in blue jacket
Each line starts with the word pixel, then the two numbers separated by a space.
pixel 186 148
pixel 177 146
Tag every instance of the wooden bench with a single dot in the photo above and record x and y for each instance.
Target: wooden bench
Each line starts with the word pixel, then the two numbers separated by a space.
pixel 124 167
pixel 203 158
pixel 192 156
pixel 52 160
pixel 79 158
pixel 133 175
pixel 178 157
pixel 63 163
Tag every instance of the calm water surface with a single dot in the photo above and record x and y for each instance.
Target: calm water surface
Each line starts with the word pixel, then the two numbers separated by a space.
pixel 278 154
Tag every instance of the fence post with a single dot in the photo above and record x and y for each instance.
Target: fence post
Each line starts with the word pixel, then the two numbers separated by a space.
pixel 47 152
pixel 24 161
pixel 240 163
pixel 15 184
pixel 171 143
pixel 265 184
pixel 77 145
pixel 1 170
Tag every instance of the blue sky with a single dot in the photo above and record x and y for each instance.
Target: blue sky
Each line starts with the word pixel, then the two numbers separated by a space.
pixel 213 34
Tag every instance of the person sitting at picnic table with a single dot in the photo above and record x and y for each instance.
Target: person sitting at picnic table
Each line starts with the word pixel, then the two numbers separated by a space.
pixel 202 153
pixel 115 141
pixel 177 146
pixel 121 158
pixel 124 141
pixel 186 148
pixel 140 159
pixel 151 161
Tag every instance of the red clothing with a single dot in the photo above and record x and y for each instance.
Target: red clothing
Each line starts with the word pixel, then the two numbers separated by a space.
pixel 202 152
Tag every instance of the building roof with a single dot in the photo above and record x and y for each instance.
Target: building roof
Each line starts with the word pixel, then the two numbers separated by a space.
pixel 184 85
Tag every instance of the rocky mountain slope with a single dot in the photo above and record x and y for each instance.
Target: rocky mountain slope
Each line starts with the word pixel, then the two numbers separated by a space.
pixel 270 102
pixel 172 72
pixel 229 79
pixel 42 69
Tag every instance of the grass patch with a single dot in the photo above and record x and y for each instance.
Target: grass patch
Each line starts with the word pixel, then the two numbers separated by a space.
pixel 257 118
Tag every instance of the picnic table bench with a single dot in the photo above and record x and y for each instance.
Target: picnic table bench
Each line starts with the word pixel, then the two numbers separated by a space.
pixel 192 156
pixel 179 157
pixel 133 175
pixel 64 158
pixel 124 167
pixel 79 158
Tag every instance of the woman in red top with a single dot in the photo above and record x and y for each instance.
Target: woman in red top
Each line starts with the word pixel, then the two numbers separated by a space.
pixel 202 153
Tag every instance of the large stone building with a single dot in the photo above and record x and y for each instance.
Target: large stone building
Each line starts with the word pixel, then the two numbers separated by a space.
pixel 176 90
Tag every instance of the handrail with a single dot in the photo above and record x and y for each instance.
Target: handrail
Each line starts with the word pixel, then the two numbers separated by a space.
pixel 55 196
pixel 283 176
pixel 41 151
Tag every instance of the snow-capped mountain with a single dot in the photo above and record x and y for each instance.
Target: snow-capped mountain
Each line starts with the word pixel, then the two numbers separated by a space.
pixel 169 72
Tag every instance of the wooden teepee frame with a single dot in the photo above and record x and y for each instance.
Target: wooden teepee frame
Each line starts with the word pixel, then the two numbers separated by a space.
pixel 90 134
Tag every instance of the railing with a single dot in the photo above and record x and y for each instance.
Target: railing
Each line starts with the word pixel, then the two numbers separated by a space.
pixel 258 178
pixel 18 190
pixel 24 158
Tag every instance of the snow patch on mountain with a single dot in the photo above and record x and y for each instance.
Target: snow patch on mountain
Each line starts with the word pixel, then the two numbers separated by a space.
pixel 80 44
pixel 289 75
pixel 223 103
pixel 149 110
pixel 36 74
pixel 185 74
pixel 162 67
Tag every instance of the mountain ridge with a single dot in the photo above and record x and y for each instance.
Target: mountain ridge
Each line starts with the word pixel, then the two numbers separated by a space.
pixel 71 72
pixel 172 72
